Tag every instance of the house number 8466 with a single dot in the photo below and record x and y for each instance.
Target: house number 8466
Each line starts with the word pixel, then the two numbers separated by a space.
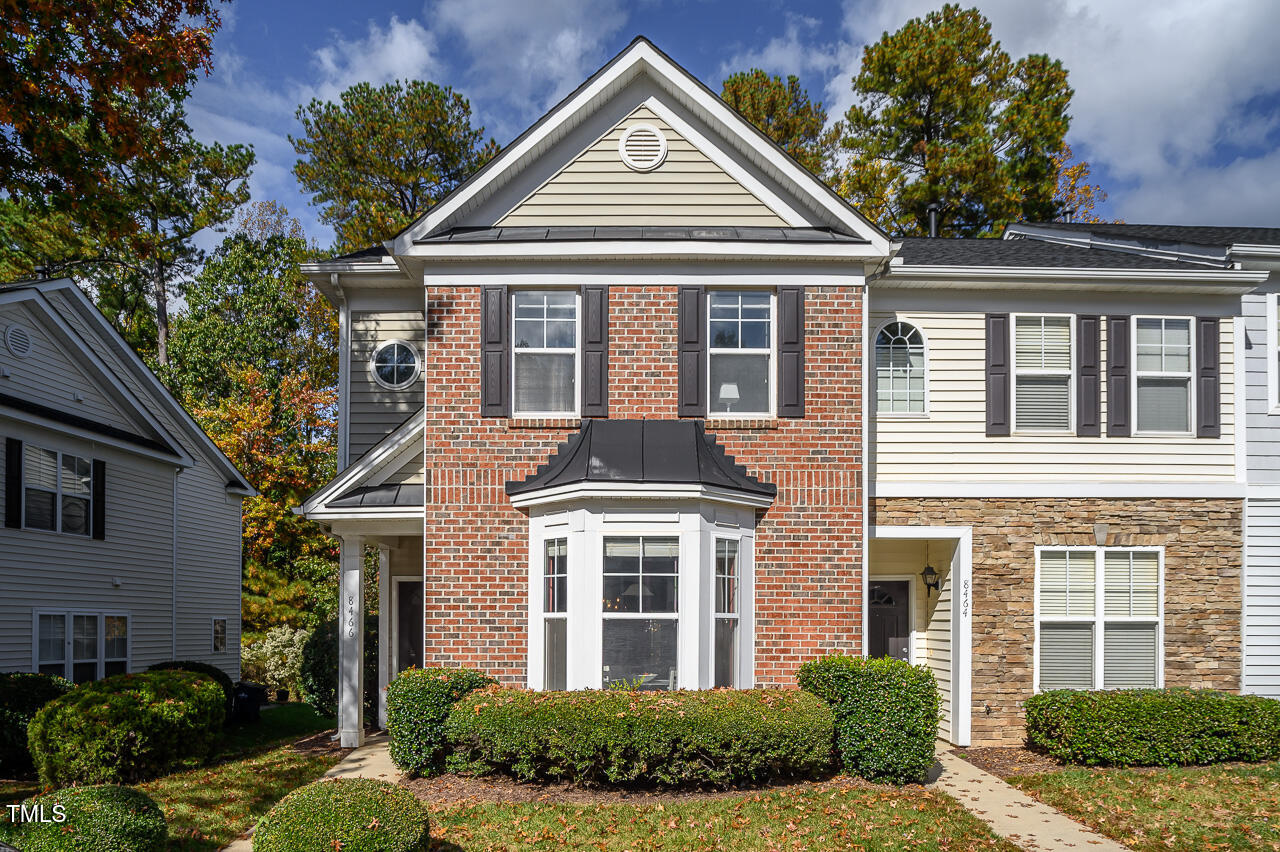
pixel 351 616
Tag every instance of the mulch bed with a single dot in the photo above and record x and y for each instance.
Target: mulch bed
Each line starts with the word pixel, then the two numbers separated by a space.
pixel 448 790
pixel 1009 762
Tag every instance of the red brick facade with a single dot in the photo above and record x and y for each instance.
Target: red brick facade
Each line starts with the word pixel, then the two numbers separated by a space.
pixel 808 553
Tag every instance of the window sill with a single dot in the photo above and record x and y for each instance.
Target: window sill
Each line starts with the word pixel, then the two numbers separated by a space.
pixel 904 416
pixel 566 422
pixel 749 424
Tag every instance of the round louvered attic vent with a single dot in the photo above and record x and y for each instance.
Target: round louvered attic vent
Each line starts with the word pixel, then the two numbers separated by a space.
pixel 643 147
pixel 18 339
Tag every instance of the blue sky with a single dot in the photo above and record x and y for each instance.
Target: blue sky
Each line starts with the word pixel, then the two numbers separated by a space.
pixel 1177 102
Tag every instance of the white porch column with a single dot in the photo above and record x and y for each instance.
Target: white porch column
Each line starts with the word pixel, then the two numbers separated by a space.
pixel 351 643
pixel 384 631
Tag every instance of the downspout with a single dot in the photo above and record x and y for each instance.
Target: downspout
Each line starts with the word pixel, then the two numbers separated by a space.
pixel 173 650
pixel 426 482
pixel 866 460
pixel 344 370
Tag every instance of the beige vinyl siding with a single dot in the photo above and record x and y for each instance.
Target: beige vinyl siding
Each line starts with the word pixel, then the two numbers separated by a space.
pixel 409 473
pixel 208 528
pixel 375 411
pixel 50 377
pixel 406 559
pixel 45 570
pixel 931 619
pixel 950 443
pixel 597 188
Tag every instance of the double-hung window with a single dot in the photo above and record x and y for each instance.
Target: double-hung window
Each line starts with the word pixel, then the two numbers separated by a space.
pixel 1098 618
pixel 641 612
pixel 1162 378
pixel 81 646
pixel 57 491
pixel 1042 377
pixel 555 611
pixel 544 362
pixel 726 612
pixel 740 352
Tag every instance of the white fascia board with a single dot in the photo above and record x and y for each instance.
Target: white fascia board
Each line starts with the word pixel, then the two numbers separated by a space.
pixel 644 250
pixel 402 513
pixel 1261 250
pixel 1224 281
pixel 385 450
pixel 635 491
pixel 1113 490
pixel 541 275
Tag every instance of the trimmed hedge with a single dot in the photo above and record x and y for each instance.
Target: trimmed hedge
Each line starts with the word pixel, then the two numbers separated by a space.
pixel 127 728
pixel 1153 727
pixel 318 677
pixel 886 714
pixel 351 814
pixel 223 679
pixel 97 819
pixel 21 695
pixel 418 705
pixel 712 738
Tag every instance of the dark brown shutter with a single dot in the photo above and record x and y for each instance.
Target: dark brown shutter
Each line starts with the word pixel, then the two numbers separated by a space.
pixel 99 499
pixel 692 308
pixel 1208 379
pixel 12 482
pixel 1088 376
pixel 495 353
pixel 791 352
pixel 998 374
pixel 1118 407
pixel 595 351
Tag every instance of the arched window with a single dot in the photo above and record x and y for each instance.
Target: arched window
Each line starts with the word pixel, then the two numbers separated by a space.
pixel 900 369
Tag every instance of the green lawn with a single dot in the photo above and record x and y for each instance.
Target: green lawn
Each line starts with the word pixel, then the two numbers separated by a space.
pixel 827 818
pixel 1197 808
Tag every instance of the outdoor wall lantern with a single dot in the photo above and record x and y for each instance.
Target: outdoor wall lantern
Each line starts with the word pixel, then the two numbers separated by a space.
pixel 929 574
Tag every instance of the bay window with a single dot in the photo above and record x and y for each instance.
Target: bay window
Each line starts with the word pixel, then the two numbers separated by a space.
pixel 740 351
pixel 1162 375
pixel 1098 618
pixel 726 612
pixel 544 353
pixel 1042 375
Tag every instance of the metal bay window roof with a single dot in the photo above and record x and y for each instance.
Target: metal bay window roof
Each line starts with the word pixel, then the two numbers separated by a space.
pixel 642 452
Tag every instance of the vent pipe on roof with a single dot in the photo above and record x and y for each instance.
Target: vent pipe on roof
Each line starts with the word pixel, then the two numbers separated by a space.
pixel 933 209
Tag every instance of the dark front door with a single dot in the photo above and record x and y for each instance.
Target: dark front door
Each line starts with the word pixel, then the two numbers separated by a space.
pixel 408 625
pixel 889 611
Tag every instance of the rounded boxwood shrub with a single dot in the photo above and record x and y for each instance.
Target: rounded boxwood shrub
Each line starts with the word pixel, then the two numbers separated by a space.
pixel 126 728
pixel 351 814
pixel 21 695
pixel 1153 727
pixel 710 738
pixel 318 678
pixel 418 705
pixel 886 714
pixel 94 819
pixel 223 679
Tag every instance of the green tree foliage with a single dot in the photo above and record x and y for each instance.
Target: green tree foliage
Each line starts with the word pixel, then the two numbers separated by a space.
pixel 945 115
pixel 785 113
pixel 76 79
pixel 383 156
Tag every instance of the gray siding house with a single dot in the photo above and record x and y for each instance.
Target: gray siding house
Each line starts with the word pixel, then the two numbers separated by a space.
pixel 120 544
pixel 1257 368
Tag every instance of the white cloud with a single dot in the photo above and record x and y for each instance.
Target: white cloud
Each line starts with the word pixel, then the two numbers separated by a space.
pixel 793 52
pixel 402 50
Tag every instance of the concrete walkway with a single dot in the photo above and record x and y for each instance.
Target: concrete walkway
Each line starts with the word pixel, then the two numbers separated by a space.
pixel 371 760
pixel 1013 814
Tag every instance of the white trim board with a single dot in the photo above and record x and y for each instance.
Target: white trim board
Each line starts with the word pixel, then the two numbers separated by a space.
pixel 1115 490
pixel 638 491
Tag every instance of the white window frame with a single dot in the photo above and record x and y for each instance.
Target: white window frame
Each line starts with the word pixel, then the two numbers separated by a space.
pixel 556 615
pixel 57 493
pixel 1273 354
pixel 1190 375
pixel 677 616
pixel 736 614
pixel 213 634
pixel 1100 619
pixel 875 355
pixel 771 369
pixel 577 352
pixel 68 637
pixel 417 365
pixel 1014 372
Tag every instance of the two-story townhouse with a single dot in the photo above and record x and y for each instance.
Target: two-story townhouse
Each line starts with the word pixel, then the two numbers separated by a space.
pixel 1257 373
pixel 603 405
pixel 120 545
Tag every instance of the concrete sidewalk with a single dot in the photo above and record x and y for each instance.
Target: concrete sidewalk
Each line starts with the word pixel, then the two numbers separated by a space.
pixel 371 760
pixel 1013 814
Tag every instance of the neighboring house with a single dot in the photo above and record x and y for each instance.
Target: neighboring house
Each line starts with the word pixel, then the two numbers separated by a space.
pixel 602 414
pixel 1258 370
pixel 121 538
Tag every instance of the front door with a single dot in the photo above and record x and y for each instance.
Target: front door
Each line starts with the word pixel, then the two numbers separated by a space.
pixel 408 625
pixel 890 619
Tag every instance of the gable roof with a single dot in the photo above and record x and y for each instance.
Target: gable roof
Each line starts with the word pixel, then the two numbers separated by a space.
pixel 160 395
pixel 1196 234
pixel 641 57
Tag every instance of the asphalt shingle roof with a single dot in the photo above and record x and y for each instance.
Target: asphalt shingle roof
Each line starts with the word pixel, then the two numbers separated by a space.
pixel 1204 235
pixel 920 251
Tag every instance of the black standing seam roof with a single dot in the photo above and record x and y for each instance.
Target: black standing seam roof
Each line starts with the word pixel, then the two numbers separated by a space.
pixel 642 451
pixel 561 233
pixel 379 496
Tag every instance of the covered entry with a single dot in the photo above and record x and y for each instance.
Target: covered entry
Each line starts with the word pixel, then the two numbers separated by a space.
pixel 919 609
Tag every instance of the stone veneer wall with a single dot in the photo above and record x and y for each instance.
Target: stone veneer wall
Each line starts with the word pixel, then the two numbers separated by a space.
pixel 1202 595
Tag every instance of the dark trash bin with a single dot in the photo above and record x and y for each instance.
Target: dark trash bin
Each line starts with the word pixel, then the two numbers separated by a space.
pixel 249 699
